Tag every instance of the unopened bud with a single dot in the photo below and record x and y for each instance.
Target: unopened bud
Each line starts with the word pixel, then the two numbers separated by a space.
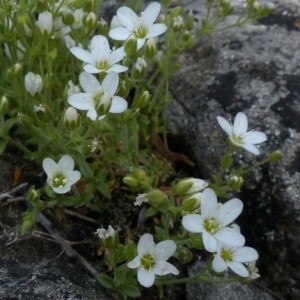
pixel 190 185
pixel 71 117
pixel 103 27
pixel 45 22
pixel 90 20
pixel 151 48
pixel 68 17
pixel 142 99
pixel 4 105
pixel 235 181
pixel 33 83
pixel 191 202
pixel 130 45
pixel 109 238
pixel 275 156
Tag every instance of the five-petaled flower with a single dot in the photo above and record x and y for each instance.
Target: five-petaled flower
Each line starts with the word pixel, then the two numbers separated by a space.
pixel 100 58
pixel 234 258
pixel 141 28
pixel 98 99
pixel 152 259
pixel 214 222
pixel 61 175
pixel 238 134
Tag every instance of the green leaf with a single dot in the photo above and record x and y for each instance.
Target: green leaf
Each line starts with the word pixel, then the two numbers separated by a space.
pixel 105 281
pixel 130 290
pixel 3 144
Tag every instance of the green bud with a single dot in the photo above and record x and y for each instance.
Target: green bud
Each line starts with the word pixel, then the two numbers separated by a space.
pixel 197 241
pixel 156 196
pixel 52 54
pixel 235 181
pixel 71 118
pixel 130 45
pixel 4 105
pixel 183 254
pixel 275 156
pixel 17 68
pixel 151 48
pixel 192 202
pixel 90 21
pixel 190 185
pixel 142 99
pixel 33 195
pixel 131 181
pixel 177 11
pixel 189 21
pixel 28 221
pixel 103 27
pixel 68 17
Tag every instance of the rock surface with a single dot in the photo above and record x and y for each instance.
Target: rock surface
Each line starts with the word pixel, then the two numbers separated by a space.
pixel 256 70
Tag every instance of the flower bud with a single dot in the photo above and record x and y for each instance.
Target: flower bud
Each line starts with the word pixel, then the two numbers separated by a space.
pixel 90 20
pixel 150 48
pixel 68 17
pixel 142 99
pixel 156 196
pixel 71 117
pixel 191 202
pixel 131 181
pixel 189 21
pixel 17 68
pixel 33 195
pixel 33 83
pixel 130 45
pixel 275 156
pixel 235 181
pixel 183 254
pixel 190 185
pixel 45 22
pixel 4 105
pixel 140 65
pixel 103 27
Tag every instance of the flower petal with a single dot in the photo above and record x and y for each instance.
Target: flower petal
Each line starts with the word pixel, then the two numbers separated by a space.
pixel 135 263
pixel 146 244
pixel 82 54
pixel 73 177
pixel 229 211
pixel 100 49
pixel 92 114
pixel 66 162
pixel 89 83
pixel 218 264
pixel 156 30
pixel 116 68
pixel 238 268
pixel 110 83
pixel 150 14
pixel 193 223
pixel 225 125
pixel 254 137
pixel 128 17
pixel 116 55
pixel 146 278
pixel 118 105
pixel 209 203
pixel 245 254
pixel 229 236
pixel 210 242
pixel 81 101
pixel 251 148
pixel 91 69
pixel 240 124
pixel 61 190
pixel 119 34
pixel 163 268
pixel 164 250
pixel 50 167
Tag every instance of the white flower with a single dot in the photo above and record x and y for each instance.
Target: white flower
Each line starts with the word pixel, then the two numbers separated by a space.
pixel 253 270
pixel 45 22
pixel 104 234
pixel 41 107
pixel 100 58
pixel 152 259
pixel 61 175
pixel 98 99
pixel 141 198
pixel 73 89
pixel 238 134
pixel 214 220
pixel 33 83
pixel 233 258
pixel 141 27
pixel 140 64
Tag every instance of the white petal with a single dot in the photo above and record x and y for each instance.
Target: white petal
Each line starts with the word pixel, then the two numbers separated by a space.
pixel 146 278
pixel 240 124
pixel 209 204
pixel 81 101
pixel 91 69
pixel 89 83
pixel 119 34
pixel 210 242
pixel 150 14
pixel 92 114
pixel 118 105
pixel 193 223
pixel 225 125
pixel 82 54
pixel 218 264
pixel 163 268
pixel 116 55
pixel 164 250
pixel 146 244
pixel 61 190
pixel 128 18
pixel 140 43
pixel 110 83
pixel 100 48
pixel 229 211
pixel 73 177
pixel 116 68
pixel 254 137
pixel 156 30
pixel 245 254
pixel 66 162
pixel 230 237
pixel 49 166
pixel 251 148
pixel 135 263
pixel 238 268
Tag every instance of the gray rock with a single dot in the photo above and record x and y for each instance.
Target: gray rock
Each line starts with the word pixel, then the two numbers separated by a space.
pixel 256 70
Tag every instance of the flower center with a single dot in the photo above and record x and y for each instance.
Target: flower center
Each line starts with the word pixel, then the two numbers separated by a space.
pixel 237 138
pixel 226 254
pixel 147 261
pixel 59 181
pixel 141 32
pixel 102 65
pixel 211 225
